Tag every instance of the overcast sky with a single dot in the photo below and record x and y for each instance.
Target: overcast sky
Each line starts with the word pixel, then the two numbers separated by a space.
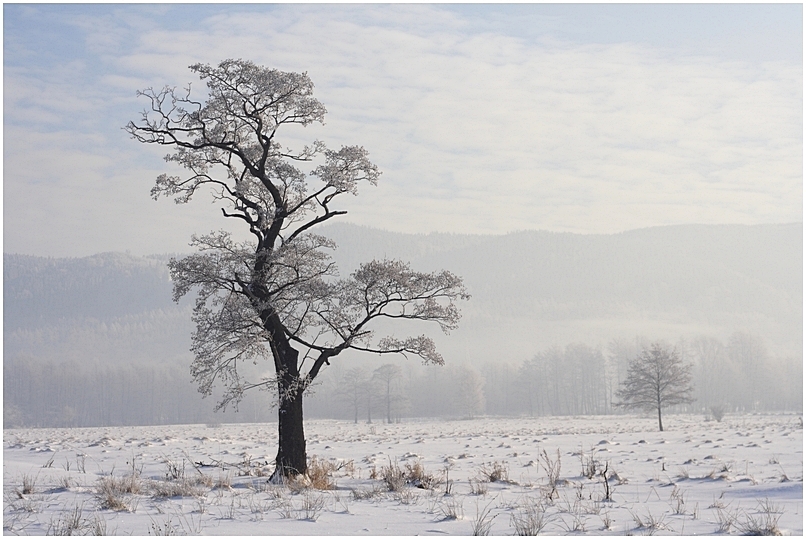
pixel 483 118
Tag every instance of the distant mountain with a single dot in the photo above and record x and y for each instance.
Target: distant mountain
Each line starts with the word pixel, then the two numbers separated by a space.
pixel 39 291
pixel 530 289
pixel 553 288
pixel 109 307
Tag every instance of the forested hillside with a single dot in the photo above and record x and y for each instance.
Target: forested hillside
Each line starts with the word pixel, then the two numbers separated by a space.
pixel 107 322
pixel 546 288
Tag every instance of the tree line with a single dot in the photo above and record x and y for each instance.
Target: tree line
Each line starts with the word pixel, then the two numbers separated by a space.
pixel 737 374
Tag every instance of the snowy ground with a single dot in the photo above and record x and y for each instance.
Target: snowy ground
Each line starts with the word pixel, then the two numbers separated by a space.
pixel 699 477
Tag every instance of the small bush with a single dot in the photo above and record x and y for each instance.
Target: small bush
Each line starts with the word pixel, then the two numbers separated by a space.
pixel 718 412
pixel 163 529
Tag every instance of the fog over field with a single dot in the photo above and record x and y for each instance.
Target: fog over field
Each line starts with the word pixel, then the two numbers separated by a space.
pixel 573 309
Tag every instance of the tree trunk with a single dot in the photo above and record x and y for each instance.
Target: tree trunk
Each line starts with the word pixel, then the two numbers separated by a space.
pixel 388 403
pixel 292 459
pixel 660 421
pixel 291 456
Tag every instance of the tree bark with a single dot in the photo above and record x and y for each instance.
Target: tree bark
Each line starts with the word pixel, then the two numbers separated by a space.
pixel 660 422
pixel 292 458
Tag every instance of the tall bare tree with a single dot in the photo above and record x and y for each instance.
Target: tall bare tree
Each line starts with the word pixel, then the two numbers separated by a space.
pixel 470 395
pixel 387 377
pixel 656 379
pixel 277 296
pixel 353 388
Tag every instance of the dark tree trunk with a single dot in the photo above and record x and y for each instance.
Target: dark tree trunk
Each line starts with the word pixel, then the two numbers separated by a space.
pixel 292 459
pixel 291 455
pixel 660 421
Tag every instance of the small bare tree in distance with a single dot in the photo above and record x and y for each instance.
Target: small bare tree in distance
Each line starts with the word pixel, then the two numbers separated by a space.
pixel 353 387
pixel 656 379
pixel 388 376
pixel 277 296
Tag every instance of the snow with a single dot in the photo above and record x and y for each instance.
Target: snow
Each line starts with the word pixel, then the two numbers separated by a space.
pixel 698 477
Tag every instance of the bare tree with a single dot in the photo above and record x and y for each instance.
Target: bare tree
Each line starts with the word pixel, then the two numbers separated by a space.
pixel 470 392
pixel 388 379
pixel 277 296
pixel 352 388
pixel 656 379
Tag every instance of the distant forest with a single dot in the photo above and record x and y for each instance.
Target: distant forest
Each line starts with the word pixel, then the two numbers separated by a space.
pixel 734 376
pixel 553 321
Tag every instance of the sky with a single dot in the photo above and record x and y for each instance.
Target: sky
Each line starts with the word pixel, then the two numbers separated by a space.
pixel 484 118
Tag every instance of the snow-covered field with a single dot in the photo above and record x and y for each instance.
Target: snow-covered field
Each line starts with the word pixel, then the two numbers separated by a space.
pixel 699 477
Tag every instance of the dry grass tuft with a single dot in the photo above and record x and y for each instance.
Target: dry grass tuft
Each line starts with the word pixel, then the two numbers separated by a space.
pixel 29 483
pixel 763 522
pixel 496 471
pixel 416 476
pixel 171 489
pixel 530 517
pixel 367 494
pixel 320 474
pixel 397 478
pixel 117 493
pixel 483 522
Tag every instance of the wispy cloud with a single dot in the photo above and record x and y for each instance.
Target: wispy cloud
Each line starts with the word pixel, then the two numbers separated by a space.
pixel 476 129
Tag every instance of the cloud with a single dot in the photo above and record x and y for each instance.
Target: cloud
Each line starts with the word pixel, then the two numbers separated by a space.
pixel 476 130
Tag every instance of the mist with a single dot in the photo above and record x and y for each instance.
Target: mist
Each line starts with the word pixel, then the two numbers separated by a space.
pixel 552 324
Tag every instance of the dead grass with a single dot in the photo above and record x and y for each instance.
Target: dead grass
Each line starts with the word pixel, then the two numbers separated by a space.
pixel 367 494
pixel 29 483
pixel 396 478
pixel 117 493
pixel 483 521
pixel 179 488
pixel 763 522
pixel 320 474
pixel 529 517
pixel 492 472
